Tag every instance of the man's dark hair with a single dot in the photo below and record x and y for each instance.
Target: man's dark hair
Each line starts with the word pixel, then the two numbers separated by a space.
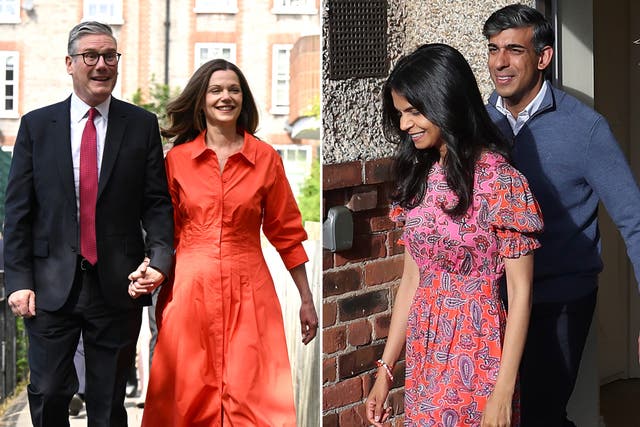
pixel 519 16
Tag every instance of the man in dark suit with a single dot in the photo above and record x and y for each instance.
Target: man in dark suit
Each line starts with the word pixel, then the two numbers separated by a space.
pixel 75 256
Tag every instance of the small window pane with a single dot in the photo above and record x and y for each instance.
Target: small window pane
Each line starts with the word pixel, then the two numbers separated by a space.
pixel 109 11
pixel 8 83
pixel 208 51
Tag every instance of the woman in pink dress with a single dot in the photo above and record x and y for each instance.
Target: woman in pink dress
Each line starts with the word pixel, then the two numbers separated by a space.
pixel 470 219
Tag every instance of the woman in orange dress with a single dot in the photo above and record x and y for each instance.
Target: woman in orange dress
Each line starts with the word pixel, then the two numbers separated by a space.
pixel 221 356
pixel 469 219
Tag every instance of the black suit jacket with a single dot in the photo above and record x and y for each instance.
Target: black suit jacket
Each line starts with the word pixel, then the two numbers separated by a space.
pixel 41 222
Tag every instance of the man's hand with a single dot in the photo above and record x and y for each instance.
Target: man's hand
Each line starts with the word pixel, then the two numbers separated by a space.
pixel 144 280
pixel 23 303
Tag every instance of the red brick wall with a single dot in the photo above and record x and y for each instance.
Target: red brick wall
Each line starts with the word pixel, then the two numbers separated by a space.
pixel 305 76
pixel 359 285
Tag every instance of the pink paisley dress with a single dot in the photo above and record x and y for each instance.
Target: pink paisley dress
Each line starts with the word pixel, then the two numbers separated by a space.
pixel 457 321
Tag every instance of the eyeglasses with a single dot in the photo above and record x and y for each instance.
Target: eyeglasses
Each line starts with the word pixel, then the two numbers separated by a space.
pixel 91 58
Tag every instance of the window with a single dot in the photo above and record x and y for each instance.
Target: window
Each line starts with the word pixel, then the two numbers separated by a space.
pixel 300 7
pixel 8 84
pixel 297 164
pixel 208 51
pixel 9 11
pixel 216 6
pixel 280 79
pixel 108 11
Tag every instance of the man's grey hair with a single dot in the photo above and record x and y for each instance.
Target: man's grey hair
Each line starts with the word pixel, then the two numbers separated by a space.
pixel 85 29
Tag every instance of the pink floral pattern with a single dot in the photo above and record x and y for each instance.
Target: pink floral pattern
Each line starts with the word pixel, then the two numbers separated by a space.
pixel 456 321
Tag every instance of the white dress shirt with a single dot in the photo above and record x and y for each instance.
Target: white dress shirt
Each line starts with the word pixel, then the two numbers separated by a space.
pixel 79 116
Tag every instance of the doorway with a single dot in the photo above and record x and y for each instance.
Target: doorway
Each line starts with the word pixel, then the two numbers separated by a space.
pixel 599 64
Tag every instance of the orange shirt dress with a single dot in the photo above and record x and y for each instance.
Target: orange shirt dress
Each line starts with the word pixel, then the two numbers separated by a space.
pixel 221 355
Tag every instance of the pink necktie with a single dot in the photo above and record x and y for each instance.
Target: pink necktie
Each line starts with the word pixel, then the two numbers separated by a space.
pixel 88 189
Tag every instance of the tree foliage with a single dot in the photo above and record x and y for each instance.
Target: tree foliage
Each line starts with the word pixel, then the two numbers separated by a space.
pixel 159 95
pixel 309 198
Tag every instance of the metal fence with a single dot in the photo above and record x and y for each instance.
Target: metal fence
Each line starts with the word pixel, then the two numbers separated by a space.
pixel 8 339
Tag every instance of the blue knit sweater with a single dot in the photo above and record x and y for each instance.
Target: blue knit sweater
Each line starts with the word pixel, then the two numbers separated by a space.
pixel 572 161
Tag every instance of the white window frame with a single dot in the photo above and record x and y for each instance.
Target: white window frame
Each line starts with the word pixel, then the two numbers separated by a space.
pixel 295 170
pixel 280 106
pixel 114 17
pixel 216 6
pixel 9 11
pixel 198 61
pixel 294 7
pixel 5 55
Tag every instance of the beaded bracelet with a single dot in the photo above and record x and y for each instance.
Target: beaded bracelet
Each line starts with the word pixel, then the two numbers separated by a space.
pixel 387 368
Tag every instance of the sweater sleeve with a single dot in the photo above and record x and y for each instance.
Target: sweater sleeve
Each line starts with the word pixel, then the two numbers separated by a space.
pixel 609 175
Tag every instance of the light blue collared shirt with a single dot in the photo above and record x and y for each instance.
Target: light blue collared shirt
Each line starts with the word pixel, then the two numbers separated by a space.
pixel 524 115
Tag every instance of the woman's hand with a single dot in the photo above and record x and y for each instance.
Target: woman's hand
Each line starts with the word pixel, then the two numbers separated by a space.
pixel 377 413
pixel 308 321
pixel 144 279
pixel 308 316
pixel 497 413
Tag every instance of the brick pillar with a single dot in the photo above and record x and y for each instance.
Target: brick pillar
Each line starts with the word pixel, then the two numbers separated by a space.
pixel 359 285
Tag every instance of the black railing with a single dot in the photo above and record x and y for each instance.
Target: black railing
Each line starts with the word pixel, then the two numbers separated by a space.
pixel 8 335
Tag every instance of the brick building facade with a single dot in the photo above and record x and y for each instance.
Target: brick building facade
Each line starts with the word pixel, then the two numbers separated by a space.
pixel 359 284
pixel 358 289
pixel 161 42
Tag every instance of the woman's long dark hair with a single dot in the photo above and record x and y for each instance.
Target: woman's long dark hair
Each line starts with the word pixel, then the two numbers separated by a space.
pixel 185 113
pixel 437 81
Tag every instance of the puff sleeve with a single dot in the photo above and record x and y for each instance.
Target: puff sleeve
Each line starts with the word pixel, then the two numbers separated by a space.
pixel 514 214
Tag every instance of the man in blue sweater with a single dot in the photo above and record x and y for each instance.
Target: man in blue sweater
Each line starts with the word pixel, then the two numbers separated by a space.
pixel 572 161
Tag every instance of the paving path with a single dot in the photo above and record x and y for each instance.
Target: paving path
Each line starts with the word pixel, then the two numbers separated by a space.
pixel 17 415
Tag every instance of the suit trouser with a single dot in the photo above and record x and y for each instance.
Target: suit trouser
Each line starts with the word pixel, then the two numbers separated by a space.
pixel 109 338
pixel 551 358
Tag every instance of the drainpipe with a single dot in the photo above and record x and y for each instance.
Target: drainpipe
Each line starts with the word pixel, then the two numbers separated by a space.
pixel 167 26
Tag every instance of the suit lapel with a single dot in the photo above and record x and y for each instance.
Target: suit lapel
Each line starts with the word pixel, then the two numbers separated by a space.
pixel 113 141
pixel 61 125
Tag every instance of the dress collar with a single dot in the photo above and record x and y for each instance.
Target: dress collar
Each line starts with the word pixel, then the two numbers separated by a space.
pixel 248 150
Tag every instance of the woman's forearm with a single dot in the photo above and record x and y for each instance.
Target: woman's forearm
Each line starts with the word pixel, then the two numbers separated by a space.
pixel 519 273
pixel 400 312
pixel 299 276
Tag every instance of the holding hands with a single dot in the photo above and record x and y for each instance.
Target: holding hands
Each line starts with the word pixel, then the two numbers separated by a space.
pixel 144 280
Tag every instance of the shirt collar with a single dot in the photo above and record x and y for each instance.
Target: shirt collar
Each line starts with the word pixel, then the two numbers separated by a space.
pixel 79 108
pixel 248 150
pixel 531 108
